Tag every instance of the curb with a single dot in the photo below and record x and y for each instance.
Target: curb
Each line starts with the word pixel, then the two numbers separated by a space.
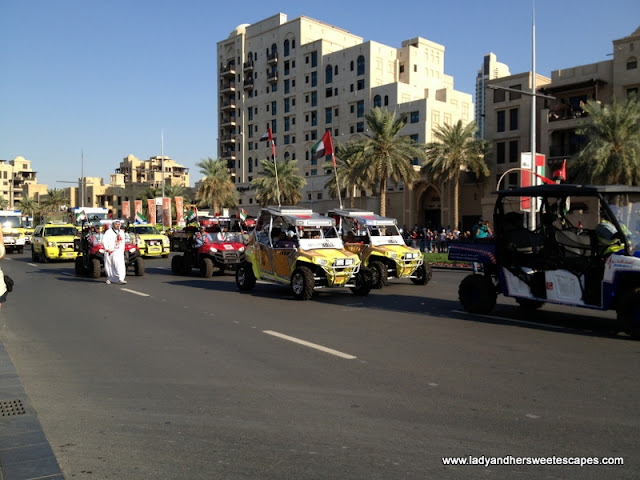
pixel 25 452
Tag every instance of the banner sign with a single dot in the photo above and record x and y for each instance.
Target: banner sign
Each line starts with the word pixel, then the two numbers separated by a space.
pixel 151 203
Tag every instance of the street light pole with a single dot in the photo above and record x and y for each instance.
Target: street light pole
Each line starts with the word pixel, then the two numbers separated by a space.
pixel 534 200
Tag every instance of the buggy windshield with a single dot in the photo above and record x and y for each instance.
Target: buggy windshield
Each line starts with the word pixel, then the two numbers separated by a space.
pixel 626 208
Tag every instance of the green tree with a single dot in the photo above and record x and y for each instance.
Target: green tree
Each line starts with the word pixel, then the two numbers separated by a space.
pixel 54 201
pixel 29 206
pixel 348 161
pixel 216 189
pixel 289 183
pixel 612 152
pixel 455 151
pixel 387 155
pixel 4 203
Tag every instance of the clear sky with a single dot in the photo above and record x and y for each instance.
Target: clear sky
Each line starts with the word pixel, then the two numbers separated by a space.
pixel 107 77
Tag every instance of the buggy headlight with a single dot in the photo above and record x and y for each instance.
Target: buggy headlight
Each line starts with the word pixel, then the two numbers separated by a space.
pixel 241 249
pixel 165 241
pixel 51 244
pixel 340 262
pixel 393 255
pixel 321 261
pixel 213 250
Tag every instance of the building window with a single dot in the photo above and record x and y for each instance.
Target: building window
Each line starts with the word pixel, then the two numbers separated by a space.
pixel 328 74
pixel 415 117
pixel 314 59
pixel 286 67
pixel 274 125
pixel 377 101
pixel 314 118
pixel 360 127
pixel 360 108
pixel 314 99
pixel 361 84
pixel 501 121
pixel 498 95
pixel 401 68
pixel 328 92
pixel 513 119
pixel 273 108
pixel 286 86
pixel 286 48
pixel 286 124
pixel 286 105
pixel 351 65
pixel 500 157
pixel 632 63
pixel 513 151
pixel 515 95
pixel 386 100
pixel 314 135
pixel 632 92
pixel 414 138
pixel 328 118
pixel 314 79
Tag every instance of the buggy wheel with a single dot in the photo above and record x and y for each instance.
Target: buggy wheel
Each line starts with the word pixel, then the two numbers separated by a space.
pixel 43 257
pixel 138 266
pixel 477 293
pixel 96 268
pixel 423 274
pixel 177 265
pixel 302 283
pixel 364 282
pixel 245 278
pixel 628 310
pixel 379 274
pixel 529 305
pixel 20 249
pixel 34 257
pixel 206 267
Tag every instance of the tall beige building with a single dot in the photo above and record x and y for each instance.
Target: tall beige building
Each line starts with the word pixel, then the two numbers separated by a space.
pixel 491 68
pixel 302 77
pixel 508 114
pixel 15 177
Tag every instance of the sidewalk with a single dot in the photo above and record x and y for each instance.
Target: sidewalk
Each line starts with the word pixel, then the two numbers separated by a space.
pixel 25 452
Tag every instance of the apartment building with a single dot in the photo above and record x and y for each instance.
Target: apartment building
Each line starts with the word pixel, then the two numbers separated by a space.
pixel 15 177
pixel 302 77
pixel 508 114
pixel 491 69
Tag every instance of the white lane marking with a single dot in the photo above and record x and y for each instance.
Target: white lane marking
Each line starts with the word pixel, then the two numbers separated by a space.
pixel 32 264
pixel 309 344
pixel 135 293
pixel 511 320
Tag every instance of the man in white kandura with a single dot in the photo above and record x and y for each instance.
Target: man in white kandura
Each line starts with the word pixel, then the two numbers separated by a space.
pixel 113 243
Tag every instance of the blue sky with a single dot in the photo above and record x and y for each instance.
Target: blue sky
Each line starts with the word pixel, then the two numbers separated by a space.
pixel 107 77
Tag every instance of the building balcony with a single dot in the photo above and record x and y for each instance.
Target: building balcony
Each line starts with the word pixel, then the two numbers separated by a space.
pixel 229 104
pixel 228 122
pixel 272 58
pixel 232 172
pixel 228 139
pixel 564 151
pixel 248 84
pixel 247 66
pixel 229 156
pixel 272 76
pixel 228 87
pixel 229 70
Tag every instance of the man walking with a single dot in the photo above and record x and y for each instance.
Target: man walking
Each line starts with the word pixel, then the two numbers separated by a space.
pixel 113 242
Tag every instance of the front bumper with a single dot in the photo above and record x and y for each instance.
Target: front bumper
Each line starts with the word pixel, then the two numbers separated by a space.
pixel 61 253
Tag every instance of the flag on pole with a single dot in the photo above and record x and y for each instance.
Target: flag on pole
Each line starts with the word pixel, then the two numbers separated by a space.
pixel 324 148
pixel 243 215
pixel 192 216
pixel 268 135
pixel 81 215
pixel 140 218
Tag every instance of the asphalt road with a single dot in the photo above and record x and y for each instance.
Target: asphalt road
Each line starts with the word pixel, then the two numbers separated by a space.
pixel 185 378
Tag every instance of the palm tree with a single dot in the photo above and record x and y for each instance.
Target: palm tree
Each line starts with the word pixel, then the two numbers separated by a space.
pixel 4 203
pixel 454 151
pixel 55 200
pixel 612 152
pixel 216 189
pixel 289 183
pixel 387 155
pixel 29 206
pixel 348 157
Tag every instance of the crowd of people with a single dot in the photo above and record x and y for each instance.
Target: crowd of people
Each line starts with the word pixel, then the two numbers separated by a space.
pixel 436 240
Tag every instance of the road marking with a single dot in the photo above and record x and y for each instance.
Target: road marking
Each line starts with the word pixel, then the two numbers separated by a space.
pixel 309 344
pixel 505 319
pixel 135 293
pixel 32 264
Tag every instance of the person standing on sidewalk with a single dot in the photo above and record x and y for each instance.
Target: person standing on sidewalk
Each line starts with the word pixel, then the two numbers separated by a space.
pixel 113 242
pixel 480 230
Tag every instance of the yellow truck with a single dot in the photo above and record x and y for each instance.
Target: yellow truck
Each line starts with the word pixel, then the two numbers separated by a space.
pixel 13 232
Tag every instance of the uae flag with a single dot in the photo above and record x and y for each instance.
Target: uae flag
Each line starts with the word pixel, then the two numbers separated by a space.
pixel 140 218
pixel 243 215
pixel 266 136
pixel 192 216
pixel 80 216
pixel 324 148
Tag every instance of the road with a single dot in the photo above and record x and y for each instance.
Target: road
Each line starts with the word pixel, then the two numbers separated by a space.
pixel 173 377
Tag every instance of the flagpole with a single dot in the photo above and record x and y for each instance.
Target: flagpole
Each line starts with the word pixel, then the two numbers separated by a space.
pixel 335 169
